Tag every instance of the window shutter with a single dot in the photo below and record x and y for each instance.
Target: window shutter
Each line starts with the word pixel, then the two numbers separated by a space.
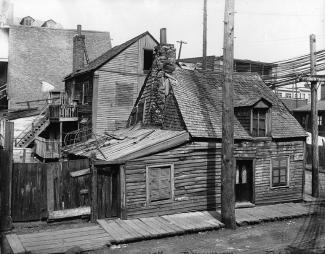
pixel 159 183
pixel 124 94
pixel 165 188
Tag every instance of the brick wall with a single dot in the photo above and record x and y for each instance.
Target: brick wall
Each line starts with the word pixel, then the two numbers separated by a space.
pixel 43 54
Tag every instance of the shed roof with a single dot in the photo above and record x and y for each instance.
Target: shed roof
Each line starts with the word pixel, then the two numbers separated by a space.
pixel 199 96
pixel 108 55
pixel 306 108
pixel 129 144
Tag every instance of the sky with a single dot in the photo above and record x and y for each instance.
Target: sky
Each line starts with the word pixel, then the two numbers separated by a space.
pixel 265 30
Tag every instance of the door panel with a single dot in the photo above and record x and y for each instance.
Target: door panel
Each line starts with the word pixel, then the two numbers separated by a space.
pixel 244 180
pixel 107 193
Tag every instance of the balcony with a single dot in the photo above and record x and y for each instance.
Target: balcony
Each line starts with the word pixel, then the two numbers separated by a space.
pixel 63 113
pixel 47 149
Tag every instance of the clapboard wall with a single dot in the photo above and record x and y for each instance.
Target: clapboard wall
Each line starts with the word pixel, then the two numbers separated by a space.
pixel 197 176
pixel 126 71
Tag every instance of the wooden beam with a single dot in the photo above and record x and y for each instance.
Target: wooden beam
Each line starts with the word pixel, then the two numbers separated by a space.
pixel 94 201
pixel 123 214
pixel 15 244
pixel 69 213
pixel 314 119
pixel 228 171
pixel 314 78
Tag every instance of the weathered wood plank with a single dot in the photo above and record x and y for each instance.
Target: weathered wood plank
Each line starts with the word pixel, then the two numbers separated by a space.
pixel 69 213
pixel 15 244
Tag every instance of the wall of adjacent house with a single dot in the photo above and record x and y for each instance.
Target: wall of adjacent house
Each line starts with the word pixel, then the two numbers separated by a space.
pixel 197 176
pixel 119 83
pixel 39 54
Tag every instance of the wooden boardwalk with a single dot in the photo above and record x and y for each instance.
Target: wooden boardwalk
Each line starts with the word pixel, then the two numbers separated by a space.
pixel 258 214
pixel 116 231
pixel 161 226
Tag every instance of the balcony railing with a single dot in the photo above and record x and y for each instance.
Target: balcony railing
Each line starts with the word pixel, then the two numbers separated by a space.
pixel 47 149
pixel 63 112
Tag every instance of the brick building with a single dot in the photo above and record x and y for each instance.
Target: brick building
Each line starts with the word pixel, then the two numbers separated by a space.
pixel 33 51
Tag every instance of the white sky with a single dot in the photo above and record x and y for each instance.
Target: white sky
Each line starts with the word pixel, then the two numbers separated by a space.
pixel 265 30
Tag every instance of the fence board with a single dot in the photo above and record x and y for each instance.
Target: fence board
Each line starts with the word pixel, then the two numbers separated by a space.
pixel 41 187
pixel 28 191
pixel 321 151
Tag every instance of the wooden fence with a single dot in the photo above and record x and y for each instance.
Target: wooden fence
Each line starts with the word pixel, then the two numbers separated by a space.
pixel 39 188
pixel 321 151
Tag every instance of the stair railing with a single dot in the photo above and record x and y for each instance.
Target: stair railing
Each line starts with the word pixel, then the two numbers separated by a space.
pixel 31 127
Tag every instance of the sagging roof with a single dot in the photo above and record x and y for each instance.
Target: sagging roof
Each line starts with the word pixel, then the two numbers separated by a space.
pixel 129 143
pixel 199 96
pixel 108 55
pixel 306 108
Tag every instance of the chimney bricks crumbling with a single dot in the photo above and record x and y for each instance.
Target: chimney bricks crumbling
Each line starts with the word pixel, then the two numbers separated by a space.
pixel 78 50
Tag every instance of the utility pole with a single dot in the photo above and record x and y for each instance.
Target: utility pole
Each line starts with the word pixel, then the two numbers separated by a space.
pixel 228 172
pixel 314 119
pixel 205 15
pixel 180 48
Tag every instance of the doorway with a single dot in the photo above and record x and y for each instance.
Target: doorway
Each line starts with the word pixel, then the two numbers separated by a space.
pixel 107 192
pixel 244 181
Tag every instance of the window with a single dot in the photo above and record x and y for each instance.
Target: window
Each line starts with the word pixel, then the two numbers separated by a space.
pixel 147 59
pixel 279 174
pixel 320 120
pixel 140 109
pixel 259 128
pixel 288 95
pixel 279 94
pixel 86 93
pixel 124 95
pixel 160 183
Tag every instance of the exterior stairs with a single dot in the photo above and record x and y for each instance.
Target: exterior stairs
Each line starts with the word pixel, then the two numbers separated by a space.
pixel 32 131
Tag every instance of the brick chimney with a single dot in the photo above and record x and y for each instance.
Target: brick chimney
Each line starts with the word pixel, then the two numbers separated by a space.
pixel 78 50
pixel 164 55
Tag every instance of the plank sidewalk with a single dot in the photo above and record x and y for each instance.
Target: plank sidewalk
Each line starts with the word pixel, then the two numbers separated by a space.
pixel 116 231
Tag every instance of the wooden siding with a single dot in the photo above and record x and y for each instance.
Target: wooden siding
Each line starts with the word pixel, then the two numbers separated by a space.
pixel 197 176
pixel 127 67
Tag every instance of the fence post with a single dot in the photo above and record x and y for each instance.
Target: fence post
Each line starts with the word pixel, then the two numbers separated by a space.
pixel 6 181
pixel 94 211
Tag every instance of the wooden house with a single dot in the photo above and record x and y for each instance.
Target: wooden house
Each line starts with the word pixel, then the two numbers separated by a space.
pixel 168 160
pixel 105 90
pixel 99 96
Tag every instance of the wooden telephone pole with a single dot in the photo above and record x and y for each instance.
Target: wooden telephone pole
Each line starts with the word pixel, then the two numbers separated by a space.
pixel 180 48
pixel 314 119
pixel 314 79
pixel 205 15
pixel 228 172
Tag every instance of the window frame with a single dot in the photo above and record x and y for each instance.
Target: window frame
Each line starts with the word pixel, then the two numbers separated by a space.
pixel 84 84
pixel 287 158
pixel 143 65
pixel 267 122
pixel 148 167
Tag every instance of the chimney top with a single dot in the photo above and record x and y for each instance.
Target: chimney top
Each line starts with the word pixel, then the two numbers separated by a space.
pixel 79 29
pixel 163 36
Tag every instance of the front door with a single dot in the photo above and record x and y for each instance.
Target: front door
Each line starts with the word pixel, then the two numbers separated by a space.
pixel 244 181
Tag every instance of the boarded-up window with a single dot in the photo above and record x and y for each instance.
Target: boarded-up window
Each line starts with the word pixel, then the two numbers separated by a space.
pixel 280 169
pixel 147 59
pixel 159 183
pixel 124 94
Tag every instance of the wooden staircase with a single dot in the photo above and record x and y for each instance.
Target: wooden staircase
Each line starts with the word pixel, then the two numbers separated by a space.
pixel 32 131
